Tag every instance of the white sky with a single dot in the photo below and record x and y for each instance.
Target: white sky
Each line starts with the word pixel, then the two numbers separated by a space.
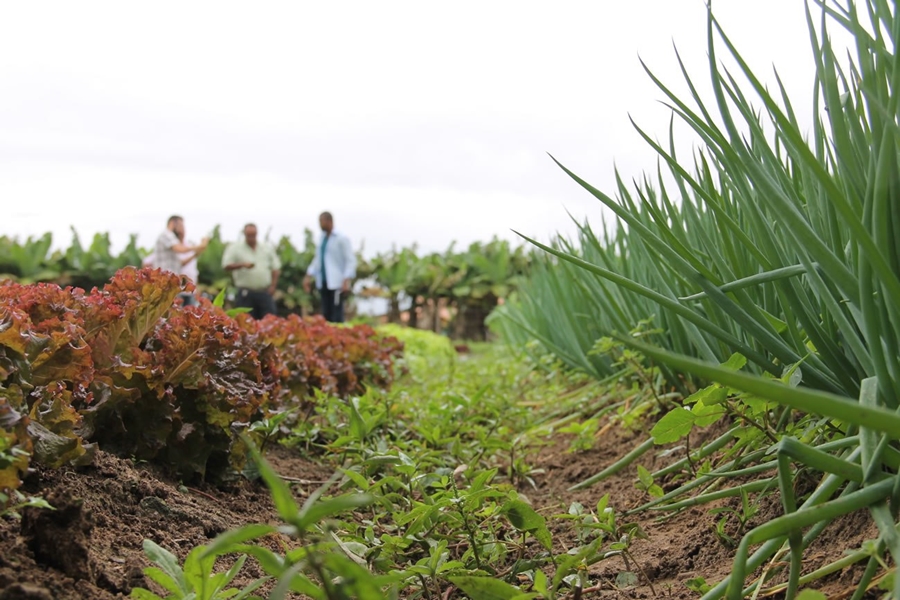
pixel 411 121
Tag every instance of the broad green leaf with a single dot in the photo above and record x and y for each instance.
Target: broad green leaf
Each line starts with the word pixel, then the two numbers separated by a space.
pixel 358 427
pixel 231 573
pixel 281 494
pixel 524 518
pixel 480 480
pixel 777 324
pixel 327 508
pixel 756 404
pixel 162 578
pixel 793 375
pixel 644 476
pixel 245 593
pixel 198 571
pixel 356 582
pixel 698 585
pixel 355 551
pixel 438 554
pixel 735 362
pixel 142 594
pixel 386 459
pixel 418 512
pixel 808 400
pixel 168 563
pixel 676 424
pixel 359 479
pixel 602 503
pixel 225 542
pixel 451 565
pixel 540 581
pixel 293 580
pixel 811 595
pixel 419 570
pixel 713 394
pixel 647 483
pixel 705 415
pixel 271 563
pixel 220 298
pixel 485 588
pixel 568 562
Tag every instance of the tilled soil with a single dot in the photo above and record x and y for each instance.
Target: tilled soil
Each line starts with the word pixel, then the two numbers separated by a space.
pixel 90 548
pixel 682 546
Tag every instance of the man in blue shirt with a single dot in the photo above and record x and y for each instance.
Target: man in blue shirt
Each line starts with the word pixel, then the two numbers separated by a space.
pixel 332 270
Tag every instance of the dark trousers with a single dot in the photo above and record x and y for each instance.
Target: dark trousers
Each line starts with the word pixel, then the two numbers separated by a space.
pixel 332 305
pixel 259 302
pixel 188 299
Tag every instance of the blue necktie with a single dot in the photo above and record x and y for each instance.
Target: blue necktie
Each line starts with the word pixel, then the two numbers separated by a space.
pixel 322 269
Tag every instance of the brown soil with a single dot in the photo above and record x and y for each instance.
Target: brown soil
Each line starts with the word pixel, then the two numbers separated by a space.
pixel 90 548
pixel 680 546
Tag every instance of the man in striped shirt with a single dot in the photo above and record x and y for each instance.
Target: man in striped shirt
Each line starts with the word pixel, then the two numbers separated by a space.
pixel 171 253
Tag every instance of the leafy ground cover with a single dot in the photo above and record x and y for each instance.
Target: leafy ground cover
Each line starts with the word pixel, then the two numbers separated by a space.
pixel 457 483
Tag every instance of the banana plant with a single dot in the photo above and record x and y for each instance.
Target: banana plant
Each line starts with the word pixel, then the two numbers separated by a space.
pixel 29 261
pixel 393 274
pixel 433 279
pixel 211 275
pixel 94 266
pixel 294 262
pixel 456 280
pixel 493 271
pixel 489 271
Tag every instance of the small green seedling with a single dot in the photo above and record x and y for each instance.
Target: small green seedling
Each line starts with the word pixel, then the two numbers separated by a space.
pixel 196 581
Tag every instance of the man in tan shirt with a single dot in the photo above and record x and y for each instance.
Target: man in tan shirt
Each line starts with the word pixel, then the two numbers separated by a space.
pixel 255 268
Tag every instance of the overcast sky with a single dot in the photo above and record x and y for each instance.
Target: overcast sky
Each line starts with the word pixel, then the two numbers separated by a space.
pixel 411 121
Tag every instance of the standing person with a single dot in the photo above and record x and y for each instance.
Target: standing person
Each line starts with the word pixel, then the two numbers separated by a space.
pixel 332 269
pixel 255 268
pixel 188 261
pixel 171 253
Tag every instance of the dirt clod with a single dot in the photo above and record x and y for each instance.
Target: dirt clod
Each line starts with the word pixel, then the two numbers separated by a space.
pixel 25 591
pixel 60 538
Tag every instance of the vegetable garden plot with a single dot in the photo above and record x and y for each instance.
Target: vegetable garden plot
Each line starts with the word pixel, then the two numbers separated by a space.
pixel 520 467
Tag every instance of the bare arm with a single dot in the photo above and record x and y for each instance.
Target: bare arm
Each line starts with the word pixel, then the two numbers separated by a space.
pixel 238 265
pixel 230 264
pixel 182 248
pixel 189 259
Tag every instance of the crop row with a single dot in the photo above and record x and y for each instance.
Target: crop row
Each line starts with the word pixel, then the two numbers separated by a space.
pixel 769 267
pixel 125 368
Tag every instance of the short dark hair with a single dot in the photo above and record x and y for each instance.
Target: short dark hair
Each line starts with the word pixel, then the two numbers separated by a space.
pixel 174 218
pixel 326 215
pixel 253 225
